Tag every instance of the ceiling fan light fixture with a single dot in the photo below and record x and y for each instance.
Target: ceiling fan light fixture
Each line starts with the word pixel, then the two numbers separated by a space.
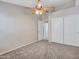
pixel 39 9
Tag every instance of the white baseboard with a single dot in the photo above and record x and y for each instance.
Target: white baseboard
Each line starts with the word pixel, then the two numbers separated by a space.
pixel 16 48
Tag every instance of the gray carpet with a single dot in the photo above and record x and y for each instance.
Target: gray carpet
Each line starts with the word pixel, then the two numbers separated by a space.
pixel 43 50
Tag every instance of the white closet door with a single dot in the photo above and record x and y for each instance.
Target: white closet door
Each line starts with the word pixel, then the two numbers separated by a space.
pixel 70 30
pixel 77 30
pixel 57 29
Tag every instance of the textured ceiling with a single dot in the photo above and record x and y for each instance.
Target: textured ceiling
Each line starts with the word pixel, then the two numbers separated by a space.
pixel 47 3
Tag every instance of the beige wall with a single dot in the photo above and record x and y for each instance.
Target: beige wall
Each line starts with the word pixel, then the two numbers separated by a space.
pixel 17 27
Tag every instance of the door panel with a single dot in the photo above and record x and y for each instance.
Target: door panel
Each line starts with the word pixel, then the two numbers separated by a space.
pixel 70 28
pixel 77 30
pixel 57 29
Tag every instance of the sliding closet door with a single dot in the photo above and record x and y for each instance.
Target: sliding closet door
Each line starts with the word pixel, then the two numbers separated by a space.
pixel 70 30
pixel 57 29
pixel 77 29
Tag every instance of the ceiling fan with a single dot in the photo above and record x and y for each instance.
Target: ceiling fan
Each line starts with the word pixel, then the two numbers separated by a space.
pixel 39 9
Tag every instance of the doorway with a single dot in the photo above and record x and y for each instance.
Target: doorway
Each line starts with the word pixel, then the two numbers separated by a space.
pixel 43 30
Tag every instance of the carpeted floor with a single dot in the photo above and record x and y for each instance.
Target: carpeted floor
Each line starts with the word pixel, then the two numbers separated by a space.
pixel 43 50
